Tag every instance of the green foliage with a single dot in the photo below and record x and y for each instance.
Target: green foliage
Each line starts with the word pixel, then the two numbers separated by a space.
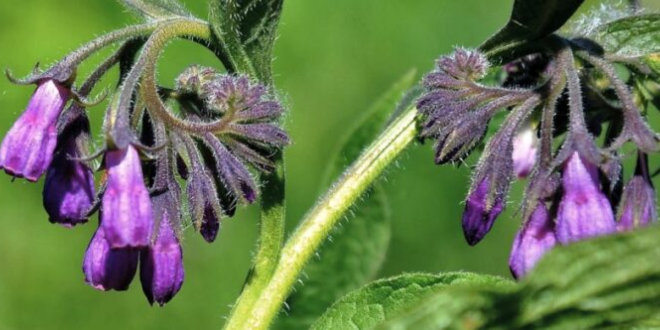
pixel 531 20
pixel 156 9
pixel 358 248
pixel 382 300
pixel 246 29
pixel 633 36
pixel 607 283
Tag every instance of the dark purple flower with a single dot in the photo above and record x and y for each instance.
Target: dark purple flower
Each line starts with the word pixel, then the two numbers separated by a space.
pixel 479 217
pixel 161 266
pixel 210 225
pixel 127 213
pixel 638 205
pixel 69 188
pixel 532 241
pixel 28 147
pixel 106 268
pixel 524 152
pixel 584 211
pixel 203 203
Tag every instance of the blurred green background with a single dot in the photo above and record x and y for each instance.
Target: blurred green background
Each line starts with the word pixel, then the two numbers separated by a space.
pixel 333 59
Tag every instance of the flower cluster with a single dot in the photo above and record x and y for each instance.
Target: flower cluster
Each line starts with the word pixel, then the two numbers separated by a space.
pixel 226 130
pixel 575 191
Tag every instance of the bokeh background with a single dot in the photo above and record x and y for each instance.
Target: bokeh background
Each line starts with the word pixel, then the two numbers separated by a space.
pixel 333 59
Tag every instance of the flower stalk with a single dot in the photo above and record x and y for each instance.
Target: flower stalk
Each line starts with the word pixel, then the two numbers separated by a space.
pixel 318 223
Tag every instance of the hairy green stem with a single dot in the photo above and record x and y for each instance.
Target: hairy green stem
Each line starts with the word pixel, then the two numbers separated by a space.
pixel 271 237
pixel 318 223
pixel 93 46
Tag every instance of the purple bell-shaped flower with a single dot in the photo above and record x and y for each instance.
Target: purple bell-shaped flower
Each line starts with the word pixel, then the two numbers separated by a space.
pixel 127 212
pixel 532 241
pixel 27 149
pixel 69 188
pixel 161 266
pixel 106 268
pixel 584 211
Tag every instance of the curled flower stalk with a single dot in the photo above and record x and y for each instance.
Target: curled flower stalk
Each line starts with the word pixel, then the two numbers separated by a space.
pixel 565 93
pixel 211 137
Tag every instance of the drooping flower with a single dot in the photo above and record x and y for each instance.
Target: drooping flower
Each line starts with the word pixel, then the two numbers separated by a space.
pixel 638 204
pixel 161 266
pixel 28 147
pixel 69 188
pixel 525 146
pixel 127 213
pixel 584 211
pixel 532 241
pixel 478 217
pixel 106 268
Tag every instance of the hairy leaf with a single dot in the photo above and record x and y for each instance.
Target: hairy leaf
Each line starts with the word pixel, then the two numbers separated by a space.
pixel 530 20
pixel 633 36
pixel 358 248
pixel 247 31
pixel 606 283
pixel 157 9
pixel 382 300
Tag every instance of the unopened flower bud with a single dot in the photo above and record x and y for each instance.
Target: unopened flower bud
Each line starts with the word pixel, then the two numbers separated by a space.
pixel 28 147
pixel 525 146
pixel 638 204
pixel 478 217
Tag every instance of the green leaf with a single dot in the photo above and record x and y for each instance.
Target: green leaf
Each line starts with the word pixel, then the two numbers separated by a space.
pixel 633 36
pixel 157 9
pixel 382 300
pixel 531 20
pixel 606 283
pixel 246 30
pixel 358 248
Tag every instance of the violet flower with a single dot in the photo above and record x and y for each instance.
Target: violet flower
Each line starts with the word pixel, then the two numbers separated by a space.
pixel 638 204
pixel 68 193
pixel 27 149
pixel 532 241
pixel 584 211
pixel 106 268
pixel 161 266
pixel 127 212
pixel 478 217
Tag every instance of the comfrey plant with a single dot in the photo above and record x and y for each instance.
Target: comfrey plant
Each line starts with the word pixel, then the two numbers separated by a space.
pixel 573 108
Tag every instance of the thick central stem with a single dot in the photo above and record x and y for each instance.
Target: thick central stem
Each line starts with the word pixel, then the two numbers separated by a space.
pixel 318 223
